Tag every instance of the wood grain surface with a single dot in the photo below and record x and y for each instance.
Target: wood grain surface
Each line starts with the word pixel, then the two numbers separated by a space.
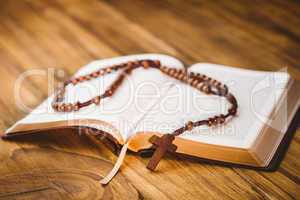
pixel 60 36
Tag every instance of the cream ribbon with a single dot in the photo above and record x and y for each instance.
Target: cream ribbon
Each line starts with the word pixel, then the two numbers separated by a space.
pixel 117 165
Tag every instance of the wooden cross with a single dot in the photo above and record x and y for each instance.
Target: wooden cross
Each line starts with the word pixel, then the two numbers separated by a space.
pixel 163 145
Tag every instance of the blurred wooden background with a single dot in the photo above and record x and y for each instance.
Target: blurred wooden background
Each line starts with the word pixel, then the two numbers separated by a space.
pixel 68 34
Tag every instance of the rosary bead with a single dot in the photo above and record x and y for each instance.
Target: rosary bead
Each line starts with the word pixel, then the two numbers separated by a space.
pixel 176 74
pixel 157 63
pixel 81 78
pixel 213 82
pixel 120 66
pixel 206 89
pixel 55 106
pixel 95 74
pixel 69 107
pixel 163 69
pixel 185 78
pixel 109 92
pixel 181 76
pixel 221 120
pixel 182 71
pixel 76 106
pixel 96 100
pixel 128 71
pixel 172 72
pixel 61 107
pixel 101 72
pixel 74 81
pixel 145 64
pixel 215 120
pixel 200 85
pixel 189 125
pixel 209 122
pixel 232 111
pixel 195 82
pixel 87 77
pixel 168 71
pixel 108 70
pixel 129 64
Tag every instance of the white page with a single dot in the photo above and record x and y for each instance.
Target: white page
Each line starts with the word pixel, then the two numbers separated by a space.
pixel 131 101
pixel 257 93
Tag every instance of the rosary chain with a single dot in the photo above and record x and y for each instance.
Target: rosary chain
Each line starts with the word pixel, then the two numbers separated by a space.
pixel 199 81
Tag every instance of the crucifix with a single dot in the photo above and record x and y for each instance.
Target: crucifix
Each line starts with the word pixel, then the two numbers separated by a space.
pixel 163 145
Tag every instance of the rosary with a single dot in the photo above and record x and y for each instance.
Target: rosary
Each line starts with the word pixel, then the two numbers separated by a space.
pixel 162 144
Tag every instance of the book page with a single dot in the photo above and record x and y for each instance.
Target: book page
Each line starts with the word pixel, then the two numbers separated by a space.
pixel 135 96
pixel 257 93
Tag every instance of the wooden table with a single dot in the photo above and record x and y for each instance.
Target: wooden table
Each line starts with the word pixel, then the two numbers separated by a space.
pixel 68 34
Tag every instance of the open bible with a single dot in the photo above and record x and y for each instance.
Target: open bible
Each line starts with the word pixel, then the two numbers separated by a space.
pixel 149 103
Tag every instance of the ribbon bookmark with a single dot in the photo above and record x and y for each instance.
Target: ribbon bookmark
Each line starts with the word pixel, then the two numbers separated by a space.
pixel 117 165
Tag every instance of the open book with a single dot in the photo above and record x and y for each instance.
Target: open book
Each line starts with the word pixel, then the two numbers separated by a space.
pixel 148 102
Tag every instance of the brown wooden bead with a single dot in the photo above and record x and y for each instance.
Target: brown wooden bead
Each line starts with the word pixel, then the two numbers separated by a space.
pixel 168 71
pixel 61 107
pixel 232 111
pixel 108 70
pixel 87 77
pixel 101 72
pixel 215 120
pixel 190 80
pixel 185 78
pixel 95 74
pixel 176 74
pixel 109 92
pixel 172 72
pixel 157 63
pixel 55 106
pixel 200 85
pixel 129 64
pixel 189 125
pixel 181 76
pixel 81 78
pixel 163 68
pixel 74 81
pixel 114 67
pixel 96 100
pixel 69 107
pixel 76 106
pixel 145 64
pixel 221 120
pixel 209 122
pixel 195 82
pixel 206 89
